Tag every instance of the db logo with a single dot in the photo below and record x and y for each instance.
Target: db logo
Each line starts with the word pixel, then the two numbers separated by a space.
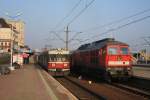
pixel 119 58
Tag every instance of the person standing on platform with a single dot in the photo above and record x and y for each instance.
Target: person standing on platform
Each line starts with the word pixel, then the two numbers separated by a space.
pixel 25 58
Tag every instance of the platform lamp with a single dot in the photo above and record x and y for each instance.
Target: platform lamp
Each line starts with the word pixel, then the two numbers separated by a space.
pixel 146 53
pixel 11 38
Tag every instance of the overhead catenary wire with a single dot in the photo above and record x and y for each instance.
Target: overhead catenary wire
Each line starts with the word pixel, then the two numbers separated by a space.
pixel 74 18
pixel 60 23
pixel 73 37
pixel 132 22
pixel 115 22
pixel 120 20
pixel 70 12
pixel 121 26
pixel 135 39
pixel 57 36
pixel 148 42
pixel 87 5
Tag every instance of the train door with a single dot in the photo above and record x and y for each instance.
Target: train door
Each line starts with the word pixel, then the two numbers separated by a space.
pixel 102 56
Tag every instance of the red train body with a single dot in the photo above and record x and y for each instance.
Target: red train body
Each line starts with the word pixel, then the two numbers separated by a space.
pixel 55 60
pixel 106 57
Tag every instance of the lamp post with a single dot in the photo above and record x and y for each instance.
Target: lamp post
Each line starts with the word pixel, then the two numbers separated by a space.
pixel 146 54
pixel 12 38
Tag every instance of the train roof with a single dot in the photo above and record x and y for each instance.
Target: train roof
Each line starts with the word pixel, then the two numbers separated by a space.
pixel 101 43
pixel 56 51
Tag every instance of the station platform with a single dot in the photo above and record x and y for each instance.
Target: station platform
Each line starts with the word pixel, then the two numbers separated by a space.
pixel 141 71
pixel 32 83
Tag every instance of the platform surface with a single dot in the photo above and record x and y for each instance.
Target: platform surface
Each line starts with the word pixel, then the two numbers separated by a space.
pixel 32 83
pixel 141 71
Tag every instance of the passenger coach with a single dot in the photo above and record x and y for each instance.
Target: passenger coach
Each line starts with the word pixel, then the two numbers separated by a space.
pixel 56 61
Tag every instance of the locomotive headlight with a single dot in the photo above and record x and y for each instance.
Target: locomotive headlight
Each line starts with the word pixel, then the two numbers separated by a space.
pixel 128 68
pixel 108 68
pixel 53 65
pixel 65 65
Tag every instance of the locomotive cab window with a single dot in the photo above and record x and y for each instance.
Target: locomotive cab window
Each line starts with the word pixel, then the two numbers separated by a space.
pixel 112 50
pixel 124 50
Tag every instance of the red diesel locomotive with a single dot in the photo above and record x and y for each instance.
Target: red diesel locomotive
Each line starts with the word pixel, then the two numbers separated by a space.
pixel 55 61
pixel 108 58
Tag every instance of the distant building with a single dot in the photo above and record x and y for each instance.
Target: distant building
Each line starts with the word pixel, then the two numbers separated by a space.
pixel 19 27
pixel 5 38
pixel 6 31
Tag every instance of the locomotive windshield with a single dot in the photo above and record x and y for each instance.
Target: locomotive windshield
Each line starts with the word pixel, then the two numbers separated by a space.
pixel 115 50
pixel 124 50
pixel 112 50
pixel 58 57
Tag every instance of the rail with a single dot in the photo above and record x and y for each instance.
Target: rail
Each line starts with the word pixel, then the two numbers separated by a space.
pixel 83 90
pixel 136 85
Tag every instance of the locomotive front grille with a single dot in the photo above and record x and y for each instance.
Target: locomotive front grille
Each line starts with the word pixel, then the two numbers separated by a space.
pixel 118 72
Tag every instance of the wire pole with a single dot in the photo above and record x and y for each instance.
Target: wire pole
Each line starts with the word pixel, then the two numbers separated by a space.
pixel 12 38
pixel 12 45
pixel 67 33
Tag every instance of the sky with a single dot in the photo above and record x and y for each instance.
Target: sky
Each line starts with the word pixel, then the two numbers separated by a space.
pixel 46 21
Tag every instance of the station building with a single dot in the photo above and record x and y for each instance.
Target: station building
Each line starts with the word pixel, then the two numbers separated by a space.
pixel 11 30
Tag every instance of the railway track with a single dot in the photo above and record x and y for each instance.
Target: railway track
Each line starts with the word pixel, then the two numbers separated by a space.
pixel 133 90
pixel 135 85
pixel 98 90
pixel 78 90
